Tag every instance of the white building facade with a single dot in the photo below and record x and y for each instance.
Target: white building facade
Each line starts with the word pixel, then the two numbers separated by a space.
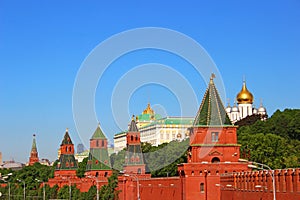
pixel 160 131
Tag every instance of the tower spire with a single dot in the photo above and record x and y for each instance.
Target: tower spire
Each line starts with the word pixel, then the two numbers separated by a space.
pixel 33 153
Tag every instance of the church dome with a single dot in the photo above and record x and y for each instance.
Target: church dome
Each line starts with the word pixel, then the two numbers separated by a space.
pixel 261 109
pixel 244 96
pixel 148 110
pixel 235 109
pixel 228 109
pixel 254 111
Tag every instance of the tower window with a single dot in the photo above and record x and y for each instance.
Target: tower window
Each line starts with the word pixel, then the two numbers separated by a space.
pixel 202 187
pixel 97 143
pixel 131 137
pixel 136 138
pixel 214 136
pixel 102 143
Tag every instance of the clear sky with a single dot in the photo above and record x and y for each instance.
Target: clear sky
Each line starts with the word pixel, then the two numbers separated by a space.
pixel 43 44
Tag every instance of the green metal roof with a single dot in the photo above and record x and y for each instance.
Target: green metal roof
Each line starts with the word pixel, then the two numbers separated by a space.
pixel 212 111
pixel 134 155
pixel 172 121
pixel 98 134
pixel 148 117
pixel 98 159
pixel 67 162
pixel 33 147
pixel 67 139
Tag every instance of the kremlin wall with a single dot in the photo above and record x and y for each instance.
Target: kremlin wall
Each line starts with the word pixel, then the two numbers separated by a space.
pixel 213 170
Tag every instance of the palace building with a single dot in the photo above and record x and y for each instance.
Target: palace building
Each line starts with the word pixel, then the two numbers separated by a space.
pixel 156 130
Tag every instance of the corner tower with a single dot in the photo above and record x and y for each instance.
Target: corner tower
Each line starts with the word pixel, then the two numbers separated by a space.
pixel 213 149
pixel 98 164
pixel 134 161
pixel 67 164
pixel 33 154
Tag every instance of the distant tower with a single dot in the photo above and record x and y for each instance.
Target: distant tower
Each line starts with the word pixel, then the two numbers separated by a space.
pixel 134 162
pixel 98 164
pixel 33 154
pixel 67 164
pixel 80 148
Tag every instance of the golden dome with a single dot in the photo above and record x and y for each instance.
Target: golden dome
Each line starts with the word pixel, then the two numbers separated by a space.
pixel 244 96
pixel 148 110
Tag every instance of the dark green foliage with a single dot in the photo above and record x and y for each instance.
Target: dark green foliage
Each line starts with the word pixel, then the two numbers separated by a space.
pixel 118 160
pixel 109 192
pixel 81 168
pixel 250 120
pixel 31 175
pixel 162 160
pixel 274 142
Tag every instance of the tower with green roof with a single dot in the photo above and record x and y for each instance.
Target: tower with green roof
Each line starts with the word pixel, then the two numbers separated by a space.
pixel 213 149
pixel 134 161
pixel 67 164
pixel 33 153
pixel 98 164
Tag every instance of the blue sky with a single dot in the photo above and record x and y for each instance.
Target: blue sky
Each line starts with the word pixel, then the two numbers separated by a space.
pixel 43 44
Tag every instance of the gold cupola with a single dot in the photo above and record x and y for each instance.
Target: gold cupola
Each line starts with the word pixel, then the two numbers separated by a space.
pixel 244 96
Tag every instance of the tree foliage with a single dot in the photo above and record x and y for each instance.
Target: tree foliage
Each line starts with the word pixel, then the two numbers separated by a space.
pixel 276 141
pixel 81 168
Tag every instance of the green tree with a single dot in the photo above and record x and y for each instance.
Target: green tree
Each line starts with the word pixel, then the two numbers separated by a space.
pixel 109 192
pixel 81 168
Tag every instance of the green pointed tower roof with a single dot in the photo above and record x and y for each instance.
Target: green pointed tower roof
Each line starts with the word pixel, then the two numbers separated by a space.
pixel 133 127
pixel 98 134
pixel 212 111
pixel 98 156
pixel 67 138
pixel 33 147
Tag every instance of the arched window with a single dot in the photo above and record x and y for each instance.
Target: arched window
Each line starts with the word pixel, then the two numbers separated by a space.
pixel 131 137
pixel 136 138
pixel 139 171
pixel 97 143
pixel 215 160
pixel 102 143
pixel 202 187
pixel 70 149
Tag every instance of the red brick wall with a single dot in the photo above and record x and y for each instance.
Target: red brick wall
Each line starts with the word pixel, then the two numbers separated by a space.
pixel 258 185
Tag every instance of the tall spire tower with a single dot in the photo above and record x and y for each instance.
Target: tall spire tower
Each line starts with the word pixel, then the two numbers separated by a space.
pixel 134 161
pixel 213 149
pixel 33 153
pixel 67 164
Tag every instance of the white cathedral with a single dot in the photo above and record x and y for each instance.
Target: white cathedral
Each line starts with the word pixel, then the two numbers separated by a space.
pixel 243 106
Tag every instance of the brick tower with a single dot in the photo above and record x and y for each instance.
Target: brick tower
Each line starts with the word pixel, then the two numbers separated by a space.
pixel 67 164
pixel 33 154
pixel 213 149
pixel 98 164
pixel 134 161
